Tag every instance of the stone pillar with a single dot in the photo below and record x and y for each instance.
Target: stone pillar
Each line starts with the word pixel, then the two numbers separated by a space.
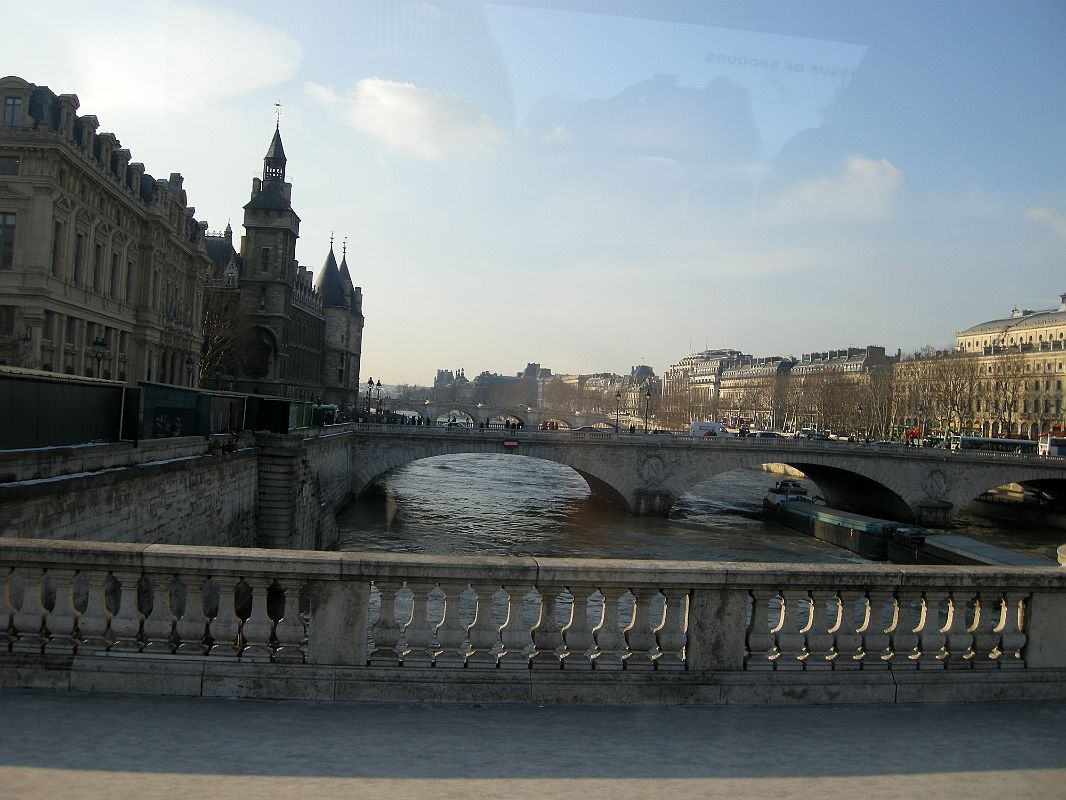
pixel 278 490
pixel 718 625
pixel 337 631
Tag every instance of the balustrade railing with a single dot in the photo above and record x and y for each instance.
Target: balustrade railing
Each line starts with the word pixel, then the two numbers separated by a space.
pixel 400 612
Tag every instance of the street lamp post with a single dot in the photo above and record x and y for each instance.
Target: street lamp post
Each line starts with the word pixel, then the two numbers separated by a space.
pixel 377 397
pixel 99 350
pixel 369 389
pixel 647 405
pixel 617 409
pixel 858 422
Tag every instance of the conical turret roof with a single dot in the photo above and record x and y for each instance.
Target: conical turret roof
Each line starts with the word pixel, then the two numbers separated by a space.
pixel 329 284
pixel 276 150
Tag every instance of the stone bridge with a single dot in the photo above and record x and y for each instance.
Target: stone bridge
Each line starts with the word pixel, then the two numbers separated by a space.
pixel 646 474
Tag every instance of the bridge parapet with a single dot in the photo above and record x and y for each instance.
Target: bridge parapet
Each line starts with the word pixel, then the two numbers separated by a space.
pixel 229 623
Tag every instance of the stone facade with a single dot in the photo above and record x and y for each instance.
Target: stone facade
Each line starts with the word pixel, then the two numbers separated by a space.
pixel 280 491
pixel 102 266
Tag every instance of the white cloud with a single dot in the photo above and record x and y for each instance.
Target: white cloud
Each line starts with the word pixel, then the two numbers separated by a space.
pixel 1050 217
pixel 405 117
pixel 863 189
pixel 155 57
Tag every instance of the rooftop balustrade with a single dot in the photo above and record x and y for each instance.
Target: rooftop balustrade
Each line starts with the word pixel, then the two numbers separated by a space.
pixel 162 619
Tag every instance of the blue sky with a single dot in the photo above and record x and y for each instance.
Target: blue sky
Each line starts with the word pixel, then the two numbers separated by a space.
pixel 592 185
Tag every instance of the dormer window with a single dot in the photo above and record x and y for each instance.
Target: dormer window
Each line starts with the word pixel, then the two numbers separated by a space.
pixel 12 110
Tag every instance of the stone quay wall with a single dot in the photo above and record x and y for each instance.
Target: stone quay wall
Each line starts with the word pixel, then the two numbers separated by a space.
pixel 257 490
pixel 371 626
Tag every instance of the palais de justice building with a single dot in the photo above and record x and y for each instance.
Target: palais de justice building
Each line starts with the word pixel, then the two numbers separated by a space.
pixel 106 272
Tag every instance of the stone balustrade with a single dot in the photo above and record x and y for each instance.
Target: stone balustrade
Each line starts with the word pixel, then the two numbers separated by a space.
pixel 157 618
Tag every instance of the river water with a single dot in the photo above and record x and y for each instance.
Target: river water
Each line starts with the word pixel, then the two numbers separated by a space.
pixel 502 505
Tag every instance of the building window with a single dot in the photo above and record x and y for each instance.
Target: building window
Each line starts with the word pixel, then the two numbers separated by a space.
pixel 79 251
pixel 48 326
pixel 9 165
pixel 12 110
pixel 57 247
pixel 122 341
pixel 7 320
pixel 129 281
pixel 98 266
pixel 7 241
pixel 264 259
pixel 71 336
pixel 114 276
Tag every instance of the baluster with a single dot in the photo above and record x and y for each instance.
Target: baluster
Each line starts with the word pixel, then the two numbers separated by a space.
pixel 1013 637
pixel 847 638
pixel 225 627
pixel 257 629
pixel 63 617
pixel 988 619
pixel 191 629
pixel 159 624
pixel 452 632
pixel 516 634
pixel 548 632
pixel 484 632
pixel 94 620
pixel 289 630
pixel 673 635
pixel 29 619
pixel 612 652
pixel 825 617
pixel 386 630
pixel 876 633
pixel 909 615
pixel 640 637
pixel 418 635
pixel 760 638
pixel 578 635
pixel 932 635
pixel 126 623
pixel 7 610
pixel 957 634
pixel 791 636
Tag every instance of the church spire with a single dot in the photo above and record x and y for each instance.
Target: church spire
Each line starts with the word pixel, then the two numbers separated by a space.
pixel 274 163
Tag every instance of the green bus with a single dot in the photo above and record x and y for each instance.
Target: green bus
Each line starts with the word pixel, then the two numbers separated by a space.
pixel 987 445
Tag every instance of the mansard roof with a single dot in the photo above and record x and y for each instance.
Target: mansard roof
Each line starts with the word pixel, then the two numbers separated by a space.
pixel 329 283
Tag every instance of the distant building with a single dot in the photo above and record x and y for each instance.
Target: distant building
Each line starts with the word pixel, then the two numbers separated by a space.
pixel 690 388
pixel 102 266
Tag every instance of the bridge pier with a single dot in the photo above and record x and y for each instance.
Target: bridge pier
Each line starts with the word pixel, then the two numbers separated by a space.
pixel 651 503
pixel 935 513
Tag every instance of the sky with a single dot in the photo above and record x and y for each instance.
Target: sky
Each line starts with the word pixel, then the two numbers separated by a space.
pixel 595 185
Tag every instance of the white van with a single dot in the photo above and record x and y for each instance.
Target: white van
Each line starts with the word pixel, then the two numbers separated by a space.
pixel 700 428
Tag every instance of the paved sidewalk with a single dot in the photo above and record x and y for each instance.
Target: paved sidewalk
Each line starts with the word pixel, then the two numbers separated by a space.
pixel 56 745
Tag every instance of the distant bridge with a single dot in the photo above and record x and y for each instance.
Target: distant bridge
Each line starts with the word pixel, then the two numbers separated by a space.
pixel 646 474
pixel 529 417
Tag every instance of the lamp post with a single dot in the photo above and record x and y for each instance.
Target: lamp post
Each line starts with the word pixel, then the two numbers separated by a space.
pixel 858 422
pixel 647 405
pixel 617 409
pixel 99 350
pixel 188 370
pixel 377 397
pixel 369 389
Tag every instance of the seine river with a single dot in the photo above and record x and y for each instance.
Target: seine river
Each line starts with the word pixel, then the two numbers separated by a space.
pixel 507 505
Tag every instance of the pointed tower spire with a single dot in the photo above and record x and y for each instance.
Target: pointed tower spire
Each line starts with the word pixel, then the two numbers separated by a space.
pixel 274 163
pixel 346 276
